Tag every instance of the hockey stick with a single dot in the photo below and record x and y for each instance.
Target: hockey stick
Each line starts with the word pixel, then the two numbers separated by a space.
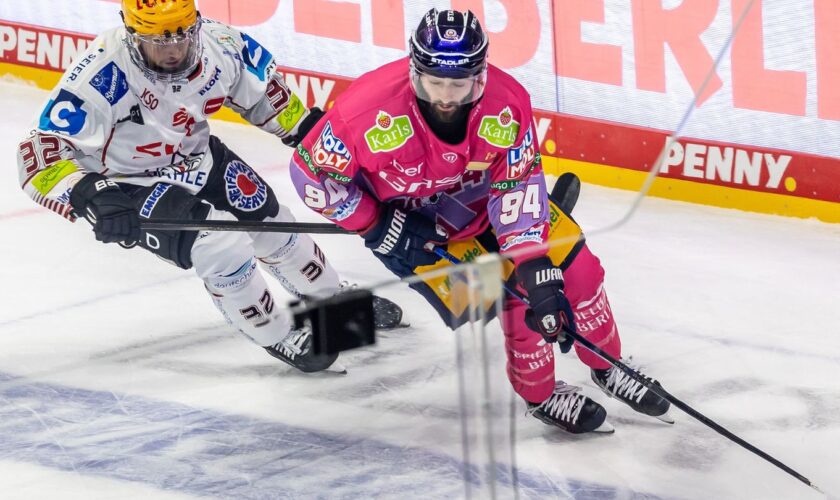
pixel 658 390
pixel 243 225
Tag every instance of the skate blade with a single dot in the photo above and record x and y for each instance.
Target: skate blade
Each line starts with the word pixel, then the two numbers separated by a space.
pixel 389 328
pixel 336 368
pixel 666 417
pixel 605 428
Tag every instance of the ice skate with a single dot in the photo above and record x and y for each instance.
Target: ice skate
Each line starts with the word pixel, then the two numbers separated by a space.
pixel 296 350
pixel 571 411
pixel 617 384
pixel 386 314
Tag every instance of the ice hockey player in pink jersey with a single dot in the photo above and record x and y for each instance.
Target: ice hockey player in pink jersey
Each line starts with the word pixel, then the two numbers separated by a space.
pixel 441 147
pixel 125 137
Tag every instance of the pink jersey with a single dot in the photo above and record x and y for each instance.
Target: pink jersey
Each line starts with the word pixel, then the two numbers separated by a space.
pixel 374 147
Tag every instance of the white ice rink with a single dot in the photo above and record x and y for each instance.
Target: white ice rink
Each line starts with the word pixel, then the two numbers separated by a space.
pixel 118 378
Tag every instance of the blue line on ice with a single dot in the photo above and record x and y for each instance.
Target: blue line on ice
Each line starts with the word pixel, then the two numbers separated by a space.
pixel 174 447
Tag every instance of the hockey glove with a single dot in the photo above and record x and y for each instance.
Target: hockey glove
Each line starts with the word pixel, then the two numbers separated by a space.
pixel 103 204
pixel 550 311
pixel 403 235
pixel 304 127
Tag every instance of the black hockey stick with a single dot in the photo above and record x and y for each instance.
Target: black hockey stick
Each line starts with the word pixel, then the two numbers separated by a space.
pixel 243 225
pixel 565 194
pixel 656 389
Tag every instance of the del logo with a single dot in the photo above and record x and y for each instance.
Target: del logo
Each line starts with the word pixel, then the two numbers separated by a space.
pixel 255 57
pixel 328 151
pixel 63 114
pixel 389 133
pixel 501 130
pixel 520 157
pixel 244 189
pixel 111 83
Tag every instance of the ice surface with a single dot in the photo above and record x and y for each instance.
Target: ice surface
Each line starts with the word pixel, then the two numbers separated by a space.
pixel 119 379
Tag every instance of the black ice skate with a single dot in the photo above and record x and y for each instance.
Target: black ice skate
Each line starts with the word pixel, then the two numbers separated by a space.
pixel 571 411
pixel 621 386
pixel 296 350
pixel 386 314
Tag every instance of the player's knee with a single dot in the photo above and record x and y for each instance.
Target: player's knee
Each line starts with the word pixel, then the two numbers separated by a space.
pixel 217 254
pixel 225 283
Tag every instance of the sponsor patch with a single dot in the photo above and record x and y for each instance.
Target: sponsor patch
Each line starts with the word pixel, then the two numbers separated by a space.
pixel 521 157
pixel 344 210
pixel 47 179
pixel 64 114
pixel 111 83
pixel 291 114
pixel 533 235
pixel 329 151
pixel 501 130
pixel 153 199
pixel 244 189
pixel 213 80
pixel 389 133
pixel 256 58
pixel 213 105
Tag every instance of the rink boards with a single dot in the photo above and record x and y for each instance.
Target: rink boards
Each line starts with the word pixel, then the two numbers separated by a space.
pixel 604 152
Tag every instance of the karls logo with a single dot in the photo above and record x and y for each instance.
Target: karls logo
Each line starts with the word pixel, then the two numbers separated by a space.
pixel 501 130
pixel 329 151
pixel 727 164
pixel 522 156
pixel 244 189
pixel 389 133
pixel 212 82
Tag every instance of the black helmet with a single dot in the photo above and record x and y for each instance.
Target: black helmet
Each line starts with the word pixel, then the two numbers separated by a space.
pixel 449 44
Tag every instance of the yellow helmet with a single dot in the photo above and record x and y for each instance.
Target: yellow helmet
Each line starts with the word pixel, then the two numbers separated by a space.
pixel 157 17
pixel 163 37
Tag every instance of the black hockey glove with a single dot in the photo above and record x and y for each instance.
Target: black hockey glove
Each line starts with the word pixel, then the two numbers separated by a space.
pixel 550 310
pixel 304 127
pixel 103 204
pixel 403 235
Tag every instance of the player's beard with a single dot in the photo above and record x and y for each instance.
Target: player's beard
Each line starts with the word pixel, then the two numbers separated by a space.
pixel 446 112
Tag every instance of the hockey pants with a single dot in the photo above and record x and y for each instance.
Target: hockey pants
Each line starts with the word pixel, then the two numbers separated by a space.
pixel 530 361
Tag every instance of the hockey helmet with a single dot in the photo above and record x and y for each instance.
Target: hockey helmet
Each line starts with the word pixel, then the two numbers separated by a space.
pixel 163 36
pixel 449 45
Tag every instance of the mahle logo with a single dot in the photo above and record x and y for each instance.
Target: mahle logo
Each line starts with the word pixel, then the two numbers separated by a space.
pixel 389 133
pixel 501 130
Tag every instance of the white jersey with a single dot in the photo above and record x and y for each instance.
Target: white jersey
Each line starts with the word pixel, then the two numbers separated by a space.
pixel 107 116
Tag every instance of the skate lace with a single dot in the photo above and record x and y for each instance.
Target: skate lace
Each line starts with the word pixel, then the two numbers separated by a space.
pixel 621 384
pixel 292 345
pixel 564 404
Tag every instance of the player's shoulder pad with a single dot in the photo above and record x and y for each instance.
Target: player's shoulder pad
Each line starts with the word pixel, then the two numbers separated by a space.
pixel 379 89
pixel 240 46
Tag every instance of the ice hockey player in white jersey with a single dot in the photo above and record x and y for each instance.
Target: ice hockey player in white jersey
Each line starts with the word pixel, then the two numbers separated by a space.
pixel 124 137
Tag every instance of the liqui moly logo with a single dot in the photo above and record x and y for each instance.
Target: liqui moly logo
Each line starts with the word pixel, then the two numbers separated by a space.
pixel 329 151
pixel 521 157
